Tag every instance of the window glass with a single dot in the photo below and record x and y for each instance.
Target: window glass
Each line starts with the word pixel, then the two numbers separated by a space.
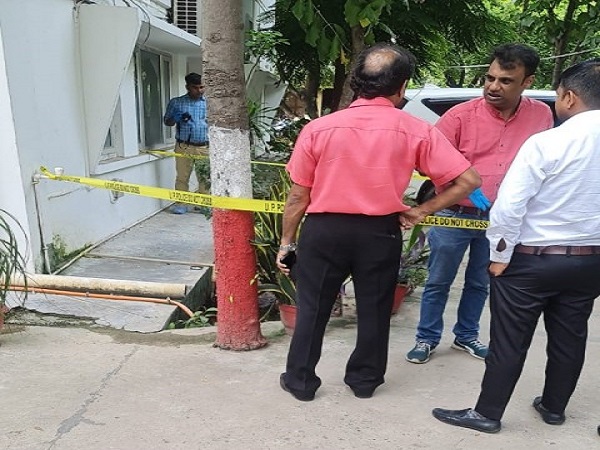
pixel 137 95
pixel 113 144
pixel 167 94
pixel 137 122
pixel 150 83
pixel 153 91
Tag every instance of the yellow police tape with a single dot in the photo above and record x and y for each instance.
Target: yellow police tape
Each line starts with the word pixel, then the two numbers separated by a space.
pixel 192 198
pixel 168 154
pixel 455 222
pixel 238 204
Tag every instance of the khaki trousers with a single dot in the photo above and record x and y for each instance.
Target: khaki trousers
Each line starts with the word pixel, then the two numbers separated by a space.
pixel 184 166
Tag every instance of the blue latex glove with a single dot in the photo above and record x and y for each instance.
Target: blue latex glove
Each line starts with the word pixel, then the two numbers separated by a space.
pixel 180 116
pixel 480 200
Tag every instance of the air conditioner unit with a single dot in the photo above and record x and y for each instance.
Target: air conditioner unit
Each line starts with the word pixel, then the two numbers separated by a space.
pixel 185 15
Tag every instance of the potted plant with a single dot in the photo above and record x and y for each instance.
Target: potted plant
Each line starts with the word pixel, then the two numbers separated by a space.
pixel 11 261
pixel 413 265
pixel 267 229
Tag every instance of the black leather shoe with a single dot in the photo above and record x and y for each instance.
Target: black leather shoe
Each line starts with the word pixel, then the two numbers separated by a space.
pixel 467 418
pixel 547 416
pixel 363 392
pixel 302 396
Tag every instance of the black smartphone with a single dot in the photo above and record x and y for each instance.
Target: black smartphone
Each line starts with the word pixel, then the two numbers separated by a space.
pixel 289 260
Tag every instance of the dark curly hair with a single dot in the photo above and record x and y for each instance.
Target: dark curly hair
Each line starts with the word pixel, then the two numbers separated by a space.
pixel 381 70
pixel 193 79
pixel 510 56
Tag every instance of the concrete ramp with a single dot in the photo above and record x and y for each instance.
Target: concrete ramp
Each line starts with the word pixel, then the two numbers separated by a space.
pixel 166 248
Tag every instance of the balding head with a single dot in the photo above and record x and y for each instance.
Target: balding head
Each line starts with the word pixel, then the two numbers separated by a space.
pixel 381 70
pixel 379 60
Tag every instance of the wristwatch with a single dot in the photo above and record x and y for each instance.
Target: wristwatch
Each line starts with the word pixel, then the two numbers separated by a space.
pixel 288 247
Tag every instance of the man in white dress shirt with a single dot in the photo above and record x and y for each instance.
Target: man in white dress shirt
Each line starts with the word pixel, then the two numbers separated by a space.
pixel 545 250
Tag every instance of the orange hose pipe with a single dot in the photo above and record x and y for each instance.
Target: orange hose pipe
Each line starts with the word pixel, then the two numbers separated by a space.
pixel 166 301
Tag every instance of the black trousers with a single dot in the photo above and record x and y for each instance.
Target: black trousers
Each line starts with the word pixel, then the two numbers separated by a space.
pixel 331 247
pixel 561 287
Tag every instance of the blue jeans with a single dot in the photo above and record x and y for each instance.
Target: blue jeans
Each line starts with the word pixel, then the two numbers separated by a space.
pixel 448 247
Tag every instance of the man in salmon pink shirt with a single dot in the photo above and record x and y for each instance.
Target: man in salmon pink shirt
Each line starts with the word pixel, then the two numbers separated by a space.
pixel 488 131
pixel 349 172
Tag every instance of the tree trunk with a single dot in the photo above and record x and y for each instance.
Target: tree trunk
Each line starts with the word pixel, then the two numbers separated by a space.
pixel 313 81
pixel 559 47
pixel 238 326
pixel 358 44
pixel 339 78
pixel 561 42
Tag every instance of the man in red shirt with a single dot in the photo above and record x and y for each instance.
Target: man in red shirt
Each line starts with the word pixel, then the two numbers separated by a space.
pixel 488 131
pixel 349 172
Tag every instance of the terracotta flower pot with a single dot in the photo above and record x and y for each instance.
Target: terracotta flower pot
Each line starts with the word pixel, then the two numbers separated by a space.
pixel 400 294
pixel 287 314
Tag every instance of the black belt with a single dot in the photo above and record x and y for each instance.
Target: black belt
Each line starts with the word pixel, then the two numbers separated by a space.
pixel 196 144
pixel 467 210
pixel 558 250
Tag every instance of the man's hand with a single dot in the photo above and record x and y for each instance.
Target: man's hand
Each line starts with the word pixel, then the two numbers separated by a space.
pixel 180 116
pixel 496 269
pixel 479 199
pixel 280 255
pixel 412 217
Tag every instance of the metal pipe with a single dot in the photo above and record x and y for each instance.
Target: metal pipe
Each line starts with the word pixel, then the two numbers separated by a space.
pixel 166 301
pixel 41 227
pixel 102 285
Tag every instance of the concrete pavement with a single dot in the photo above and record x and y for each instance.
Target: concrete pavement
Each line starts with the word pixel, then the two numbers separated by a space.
pixel 72 384
pixel 67 388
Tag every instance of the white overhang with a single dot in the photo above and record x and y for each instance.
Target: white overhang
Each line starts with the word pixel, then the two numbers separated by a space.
pixel 108 36
pixel 164 36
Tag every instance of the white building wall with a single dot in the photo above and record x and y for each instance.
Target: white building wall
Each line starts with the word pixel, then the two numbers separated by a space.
pixel 40 41
pixel 43 120
pixel 43 82
pixel 11 200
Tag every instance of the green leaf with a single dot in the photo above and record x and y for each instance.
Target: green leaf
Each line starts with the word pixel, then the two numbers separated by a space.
pixel 309 16
pixel 324 48
pixel 352 10
pixel 299 10
pixel 368 14
pixel 339 32
pixel 334 50
pixel 526 22
pixel 313 34
pixel 12 262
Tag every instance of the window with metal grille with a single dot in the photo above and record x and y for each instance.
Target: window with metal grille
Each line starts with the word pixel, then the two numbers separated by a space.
pixel 185 15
